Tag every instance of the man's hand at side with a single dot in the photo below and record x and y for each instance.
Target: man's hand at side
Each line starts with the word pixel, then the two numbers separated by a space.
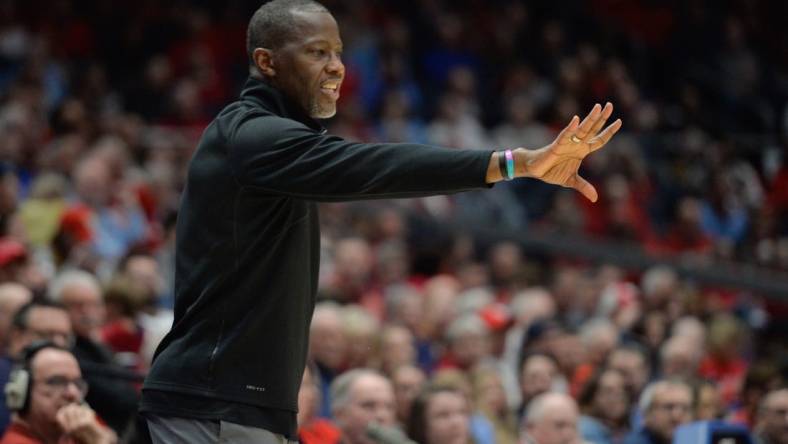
pixel 558 162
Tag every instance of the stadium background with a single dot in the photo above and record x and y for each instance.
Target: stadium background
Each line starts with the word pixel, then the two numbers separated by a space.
pixel 101 104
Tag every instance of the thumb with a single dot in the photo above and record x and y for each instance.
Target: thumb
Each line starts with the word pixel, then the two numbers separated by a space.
pixel 584 187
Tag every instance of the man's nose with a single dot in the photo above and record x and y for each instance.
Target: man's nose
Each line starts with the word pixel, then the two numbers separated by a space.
pixel 335 66
pixel 73 393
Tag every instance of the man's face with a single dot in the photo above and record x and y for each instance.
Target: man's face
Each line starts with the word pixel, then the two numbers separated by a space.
pixel 408 381
pixel 57 382
pixel 774 418
pixel 43 323
pixel 308 68
pixel 537 376
pixel 85 307
pixel 611 400
pixel 670 408
pixel 397 348
pixel 327 341
pixel 447 418
pixel 371 400
pixel 558 425
pixel 632 366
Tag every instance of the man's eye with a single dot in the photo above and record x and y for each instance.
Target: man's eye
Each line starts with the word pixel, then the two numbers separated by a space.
pixel 318 52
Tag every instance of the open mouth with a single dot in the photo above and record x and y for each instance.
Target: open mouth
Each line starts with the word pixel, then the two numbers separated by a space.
pixel 331 89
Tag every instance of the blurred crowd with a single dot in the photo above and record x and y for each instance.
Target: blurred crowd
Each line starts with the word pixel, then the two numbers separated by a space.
pixel 421 327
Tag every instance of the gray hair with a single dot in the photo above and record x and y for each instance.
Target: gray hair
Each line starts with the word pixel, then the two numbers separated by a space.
pixel 69 278
pixel 469 324
pixel 647 397
pixel 339 391
pixel 274 23
pixel 473 300
pixel 537 406
pixel 593 327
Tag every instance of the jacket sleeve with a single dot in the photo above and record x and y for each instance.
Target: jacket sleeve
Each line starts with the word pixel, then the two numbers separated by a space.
pixel 282 156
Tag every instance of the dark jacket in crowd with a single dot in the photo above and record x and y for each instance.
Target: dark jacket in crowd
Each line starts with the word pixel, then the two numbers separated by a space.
pixel 248 248
pixel 111 388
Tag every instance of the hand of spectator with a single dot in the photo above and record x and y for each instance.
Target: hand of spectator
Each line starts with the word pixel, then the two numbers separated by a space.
pixel 558 162
pixel 80 423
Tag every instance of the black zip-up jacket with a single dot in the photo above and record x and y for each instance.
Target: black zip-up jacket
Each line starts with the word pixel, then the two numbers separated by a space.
pixel 247 249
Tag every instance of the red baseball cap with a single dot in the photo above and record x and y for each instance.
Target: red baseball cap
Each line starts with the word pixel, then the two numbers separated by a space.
pixel 11 250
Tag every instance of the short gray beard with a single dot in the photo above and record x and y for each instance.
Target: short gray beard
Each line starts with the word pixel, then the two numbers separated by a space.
pixel 316 112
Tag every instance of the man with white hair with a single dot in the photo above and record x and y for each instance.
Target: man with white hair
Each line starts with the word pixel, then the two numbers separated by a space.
pixel 360 398
pixel 599 336
pixel 691 328
pixel 111 391
pixel 469 342
pixel 665 405
pixel 551 418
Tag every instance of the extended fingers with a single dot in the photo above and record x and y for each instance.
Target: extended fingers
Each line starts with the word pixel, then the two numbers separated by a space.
pixel 585 127
pixel 602 138
pixel 606 112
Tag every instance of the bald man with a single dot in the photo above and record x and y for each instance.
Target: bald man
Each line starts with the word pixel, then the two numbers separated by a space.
pixel 551 418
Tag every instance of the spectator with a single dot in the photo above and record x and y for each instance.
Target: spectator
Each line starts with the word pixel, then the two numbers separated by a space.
pixel 362 399
pixel 112 393
pixel 153 319
pixel 679 358
pixel 46 394
pixel 632 362
pixel 408 381
pixel 361 332
pixel 311 428
pixel 551 418
pixel 469 343
pixel 440 415
pixel 665 405
pixel 605 405
pixel 327 348
pixel 34 321
pixel 538 374
pixel 489 398
pixel 707 402
pixel 397 349
pixel 101 224
pixel 772 424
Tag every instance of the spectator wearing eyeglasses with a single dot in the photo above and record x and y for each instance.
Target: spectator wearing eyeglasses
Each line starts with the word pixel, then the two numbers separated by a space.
pixel 113 393
pixel 34 321
pixel 49 402
pixel 665 405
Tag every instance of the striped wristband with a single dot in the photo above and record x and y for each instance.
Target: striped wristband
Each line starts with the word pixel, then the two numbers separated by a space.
pixel 506 164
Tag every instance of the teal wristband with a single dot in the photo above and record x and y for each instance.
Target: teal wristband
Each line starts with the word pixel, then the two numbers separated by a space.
pixel 509 164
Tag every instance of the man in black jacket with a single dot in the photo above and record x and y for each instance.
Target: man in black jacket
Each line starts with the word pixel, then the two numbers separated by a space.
pixel 247 249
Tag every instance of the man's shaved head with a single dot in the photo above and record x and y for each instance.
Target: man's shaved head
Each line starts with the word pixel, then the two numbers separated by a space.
pixel 275 23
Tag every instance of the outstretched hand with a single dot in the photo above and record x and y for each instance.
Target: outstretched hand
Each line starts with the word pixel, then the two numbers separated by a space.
pixel 558 162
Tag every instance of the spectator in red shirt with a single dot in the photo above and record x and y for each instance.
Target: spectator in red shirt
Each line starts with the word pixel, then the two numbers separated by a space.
pixel 47 396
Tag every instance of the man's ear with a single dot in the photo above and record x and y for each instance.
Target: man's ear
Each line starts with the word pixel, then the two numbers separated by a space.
pixel 264 60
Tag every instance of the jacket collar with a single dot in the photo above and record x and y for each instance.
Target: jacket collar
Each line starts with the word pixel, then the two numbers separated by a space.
pixel 273 100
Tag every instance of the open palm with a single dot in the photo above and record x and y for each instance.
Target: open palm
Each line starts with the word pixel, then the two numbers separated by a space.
pixel 558 162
